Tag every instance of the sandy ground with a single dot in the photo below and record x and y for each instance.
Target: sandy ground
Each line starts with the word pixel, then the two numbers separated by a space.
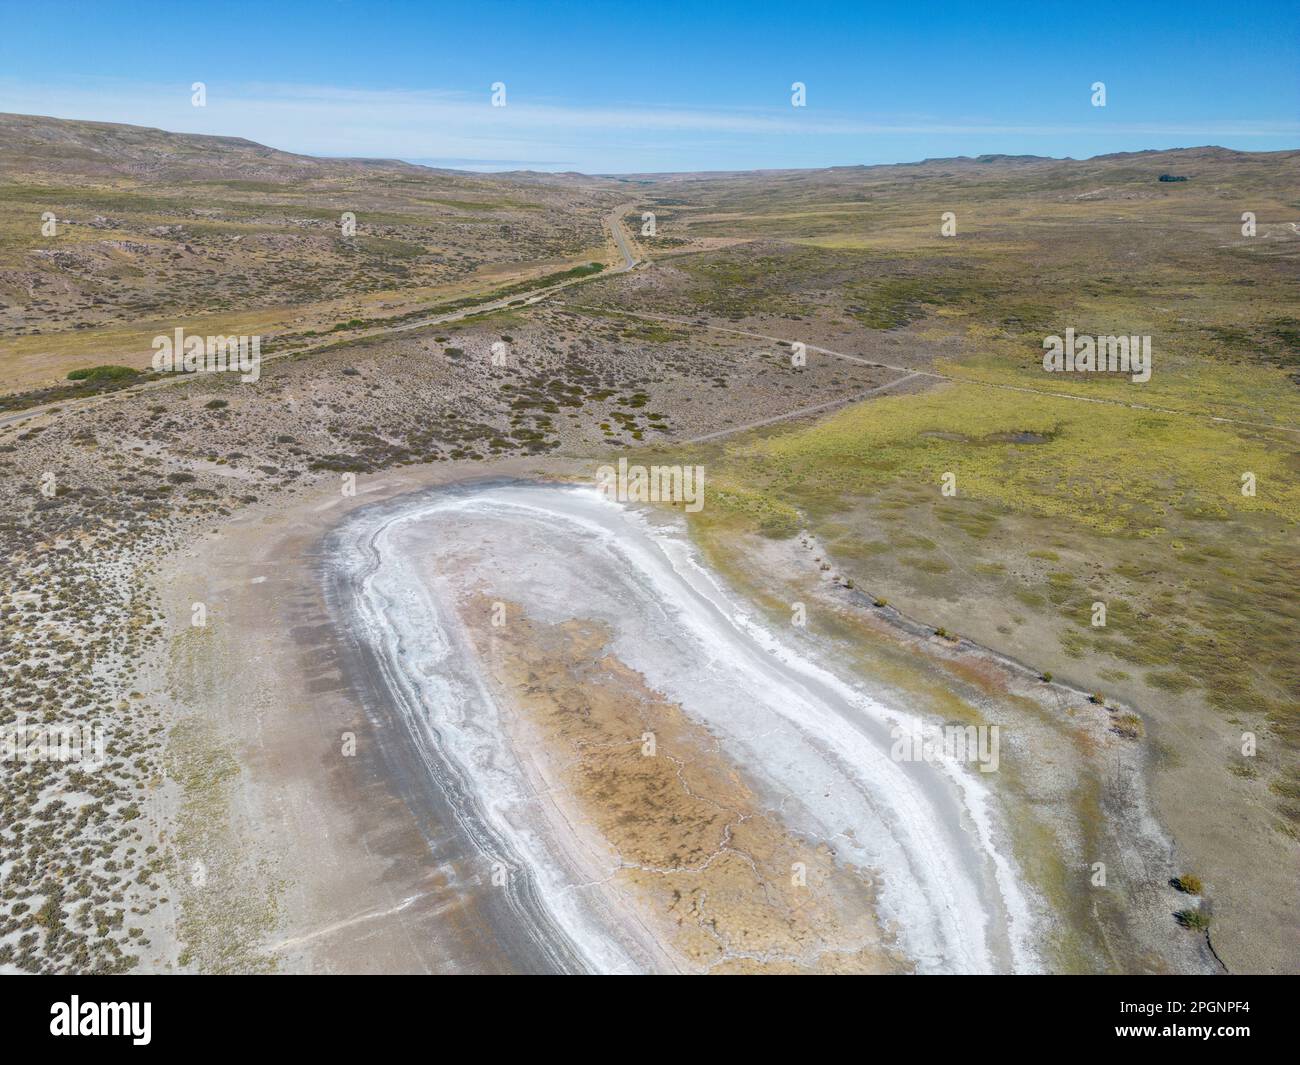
pixel 312 862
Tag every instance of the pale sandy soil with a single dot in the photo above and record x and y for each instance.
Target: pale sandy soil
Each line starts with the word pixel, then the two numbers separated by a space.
pixel 314 862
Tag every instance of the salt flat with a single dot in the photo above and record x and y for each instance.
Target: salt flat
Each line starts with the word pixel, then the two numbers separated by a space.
pixel 440 585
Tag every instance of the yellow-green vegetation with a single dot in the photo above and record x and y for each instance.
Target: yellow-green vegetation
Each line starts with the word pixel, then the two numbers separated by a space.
pixel 1142 510
pixel 1186 378
pixel 1110 468
pixel 1193 920
pixel 100 373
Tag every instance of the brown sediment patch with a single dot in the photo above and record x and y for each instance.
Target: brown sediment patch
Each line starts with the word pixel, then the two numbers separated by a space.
pixel 716 876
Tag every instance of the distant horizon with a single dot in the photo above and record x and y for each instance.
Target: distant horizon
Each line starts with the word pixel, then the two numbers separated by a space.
pixel 435 164
pixel 615 91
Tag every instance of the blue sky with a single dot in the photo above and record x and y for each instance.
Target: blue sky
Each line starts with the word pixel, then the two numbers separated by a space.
pixel 618 87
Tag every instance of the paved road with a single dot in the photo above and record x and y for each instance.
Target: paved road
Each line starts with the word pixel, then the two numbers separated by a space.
pixel 619 233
